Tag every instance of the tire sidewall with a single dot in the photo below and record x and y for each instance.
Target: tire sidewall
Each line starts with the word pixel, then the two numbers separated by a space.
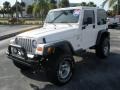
pixel 52 71
pixel 69 60
pixel 103 41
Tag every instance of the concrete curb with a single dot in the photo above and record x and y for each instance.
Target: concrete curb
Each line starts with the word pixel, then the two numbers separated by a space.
pixel 18 32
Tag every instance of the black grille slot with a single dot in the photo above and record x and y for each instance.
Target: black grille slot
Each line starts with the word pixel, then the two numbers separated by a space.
pixel 26 43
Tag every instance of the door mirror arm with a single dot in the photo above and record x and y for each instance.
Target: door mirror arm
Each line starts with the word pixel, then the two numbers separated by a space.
pixel 84 26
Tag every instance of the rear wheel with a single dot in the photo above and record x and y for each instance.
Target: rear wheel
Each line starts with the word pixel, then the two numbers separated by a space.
pixel 103 49
pixel 62 70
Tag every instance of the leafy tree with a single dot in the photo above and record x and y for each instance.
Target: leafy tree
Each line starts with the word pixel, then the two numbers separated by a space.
pixel 115 7
pixel 64 3
pixel 22 6
pixel 41 8
pixel 52 4
pixel 91 4
pixel 115 4
pixel 53 1
pixel 83 4
pixel 111 2
pixel 6 7
pixel 12 10
pixel 19 7
pixel 2 11
pixel 110 13
pixel 29 9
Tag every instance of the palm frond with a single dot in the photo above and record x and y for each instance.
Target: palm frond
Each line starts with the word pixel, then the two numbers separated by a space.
pixel 112 2
pixel 103 4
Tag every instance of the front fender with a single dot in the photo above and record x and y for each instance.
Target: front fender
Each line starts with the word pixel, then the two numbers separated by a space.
pixel 102 33
pixel 59 47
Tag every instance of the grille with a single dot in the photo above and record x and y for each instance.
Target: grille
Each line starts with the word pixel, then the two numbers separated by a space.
pixel 26 43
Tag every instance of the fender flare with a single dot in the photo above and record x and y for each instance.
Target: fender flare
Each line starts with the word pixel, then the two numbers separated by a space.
pixel 61 47
pixel 102 33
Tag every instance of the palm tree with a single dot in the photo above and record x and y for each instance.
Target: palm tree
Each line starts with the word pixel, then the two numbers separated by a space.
pixel 113 3
pixel 29 9
pixel 40 8
pixel 12 10
pixel 22 6
pixel 2 12
pixel 19 8
pixel 6 7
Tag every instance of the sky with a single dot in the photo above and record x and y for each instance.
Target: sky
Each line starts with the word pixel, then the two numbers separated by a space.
pixel 98 2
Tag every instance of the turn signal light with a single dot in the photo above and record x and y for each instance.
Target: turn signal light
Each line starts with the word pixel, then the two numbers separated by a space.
pixel 39 49
pixel 50 50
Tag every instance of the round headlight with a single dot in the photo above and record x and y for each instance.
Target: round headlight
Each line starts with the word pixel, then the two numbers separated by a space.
pixel 16 41
pixel 15 51
pixel 34 43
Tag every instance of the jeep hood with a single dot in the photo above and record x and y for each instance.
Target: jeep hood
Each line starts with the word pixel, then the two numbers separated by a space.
pixel 50 32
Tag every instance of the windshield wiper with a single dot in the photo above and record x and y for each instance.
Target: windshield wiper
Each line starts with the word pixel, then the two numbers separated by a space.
pixel 66 23
pixel 57 17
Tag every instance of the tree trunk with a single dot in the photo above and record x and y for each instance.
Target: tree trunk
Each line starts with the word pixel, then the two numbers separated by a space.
pixel 118 7
pixel 3 15
pixel 21 14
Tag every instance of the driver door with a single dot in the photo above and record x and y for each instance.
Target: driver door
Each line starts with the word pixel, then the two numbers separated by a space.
pixel 88 29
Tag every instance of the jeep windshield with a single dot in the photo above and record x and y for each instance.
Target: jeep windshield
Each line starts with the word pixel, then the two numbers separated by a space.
pixel 63 16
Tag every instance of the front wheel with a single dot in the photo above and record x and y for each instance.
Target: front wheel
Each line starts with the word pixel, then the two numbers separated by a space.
pixel 61 71
pixel 103 49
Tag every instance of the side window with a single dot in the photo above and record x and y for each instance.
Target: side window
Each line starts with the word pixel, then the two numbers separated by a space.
pixel 101 17
pixel 89 17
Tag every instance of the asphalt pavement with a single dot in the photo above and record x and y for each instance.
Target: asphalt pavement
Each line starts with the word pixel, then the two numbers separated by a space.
pixel 91 73
pixel 7 31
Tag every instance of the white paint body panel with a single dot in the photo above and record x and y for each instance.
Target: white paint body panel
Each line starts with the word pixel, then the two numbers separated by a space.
pixel 72 32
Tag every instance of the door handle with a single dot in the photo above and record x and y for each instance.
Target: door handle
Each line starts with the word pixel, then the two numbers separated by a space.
pixel 83 27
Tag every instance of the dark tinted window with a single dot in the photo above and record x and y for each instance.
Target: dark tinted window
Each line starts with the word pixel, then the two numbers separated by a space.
pixel 101 17
pixel 89 15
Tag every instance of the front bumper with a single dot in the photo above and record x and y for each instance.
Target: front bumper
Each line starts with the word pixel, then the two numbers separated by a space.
pixel 24 59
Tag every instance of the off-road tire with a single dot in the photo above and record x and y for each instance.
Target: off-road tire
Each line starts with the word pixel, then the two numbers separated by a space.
pixel 103 49
pixel 53 73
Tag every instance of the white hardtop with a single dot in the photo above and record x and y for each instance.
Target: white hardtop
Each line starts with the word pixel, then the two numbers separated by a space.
pixel 78 7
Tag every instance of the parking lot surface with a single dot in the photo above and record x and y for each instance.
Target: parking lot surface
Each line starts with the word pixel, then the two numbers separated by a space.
pixel 91 73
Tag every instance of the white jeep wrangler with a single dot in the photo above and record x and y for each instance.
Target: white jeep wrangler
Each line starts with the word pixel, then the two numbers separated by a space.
pixel 65 31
